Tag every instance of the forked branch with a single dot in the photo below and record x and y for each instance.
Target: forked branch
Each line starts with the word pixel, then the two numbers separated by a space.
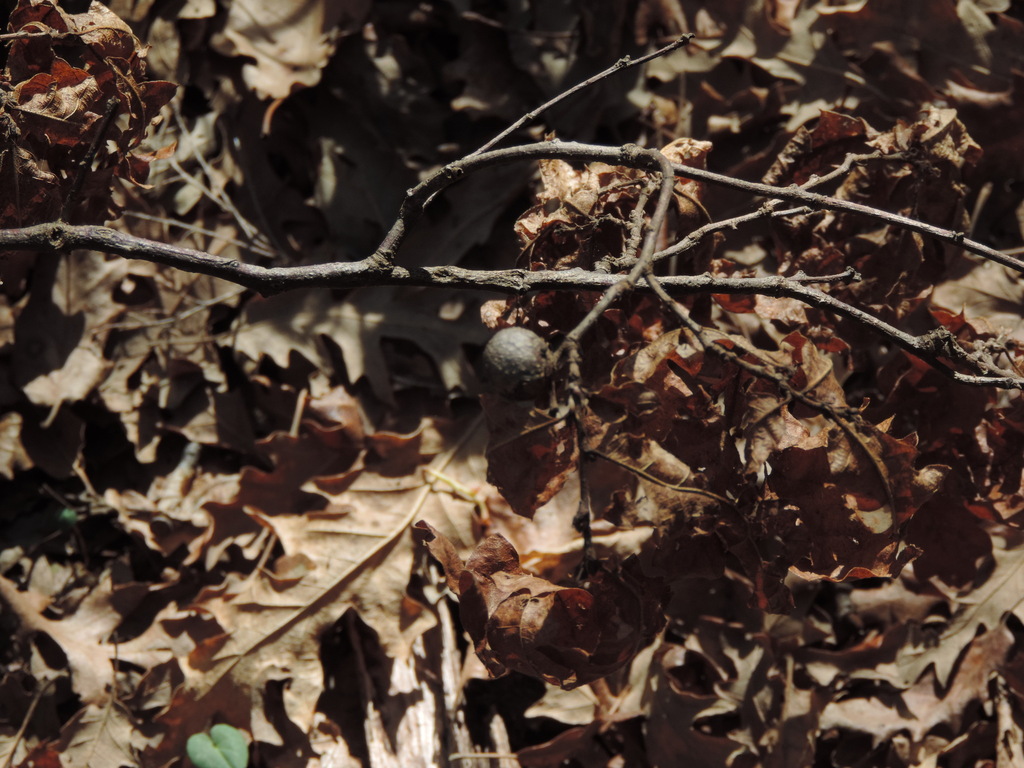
pixel 382 269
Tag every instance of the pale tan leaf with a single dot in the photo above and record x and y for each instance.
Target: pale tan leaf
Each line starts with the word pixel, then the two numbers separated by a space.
pixel 101 737
pixel 81 637
pixel 983 607
pixel 986 290
pixel 277 326
pixel 356 553
pixel 288 43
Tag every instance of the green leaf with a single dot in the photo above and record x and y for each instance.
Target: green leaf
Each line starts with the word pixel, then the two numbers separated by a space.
pixel 222 747
pixel 66 518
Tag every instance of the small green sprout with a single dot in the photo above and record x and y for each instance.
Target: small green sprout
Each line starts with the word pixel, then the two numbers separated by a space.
pixel 222 747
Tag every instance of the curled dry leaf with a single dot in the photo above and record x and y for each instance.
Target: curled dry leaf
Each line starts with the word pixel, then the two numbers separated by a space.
pixel 899 270
pixel 530 456
pixel 286 44
pixel 65 75
pixel 566 636
pixel 689 192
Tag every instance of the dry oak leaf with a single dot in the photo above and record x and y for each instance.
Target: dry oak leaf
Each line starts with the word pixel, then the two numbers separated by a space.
pixel 287 44
pixel 528 460
pixel 566 636
pixel 64 71
pixel 83 636
pixel 926 706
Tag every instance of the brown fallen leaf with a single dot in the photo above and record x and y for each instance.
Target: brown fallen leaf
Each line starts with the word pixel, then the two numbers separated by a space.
pixel 83 636
pixel 530 457
pixel 355 553
pixel 566 636
pixel 286 44
pixel 61 74
pixel 926 706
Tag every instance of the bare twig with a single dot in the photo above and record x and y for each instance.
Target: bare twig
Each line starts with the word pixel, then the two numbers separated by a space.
pixel 412 207
pixel 624 63
pixel 761 371
pixel 224 201
pixel 379 268
pixel 251 246
pixel 846 166
pixel 27 35
pixel 694 238
pixel 272 280
pixel 59 236
pixel 36 698
pixel 845 417
pixel 635 228
pixel 570 346
pixel 85 165
pixel 629 282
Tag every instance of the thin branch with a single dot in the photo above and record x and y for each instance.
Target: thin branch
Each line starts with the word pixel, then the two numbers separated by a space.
pixel 846 166
pixel 624 63
pixel 224 201
pixel 762 371
pixel 85 165
pixel 26 35
pixel 413 205
pixel 276 279
pixel 252 247
pixel 379 268
pixel 635 227
pixel 629 282
pixel 59 237
pixel 694 238
pixel 36 698
pixel 570 346
pixel 845 417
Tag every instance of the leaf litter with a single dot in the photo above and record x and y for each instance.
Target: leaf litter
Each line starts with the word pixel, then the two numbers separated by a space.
pixel 242 473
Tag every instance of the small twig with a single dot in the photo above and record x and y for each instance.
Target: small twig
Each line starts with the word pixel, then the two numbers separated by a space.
pixel 85 165
pixel 768 373
pixel 177 316
pixel 845 417
pixel 570 347
pixel 36 698
pixel 645 475
pixel 258 249
pixel 26 35
pixel 624 63
pixel 694 238
pixel 582 520
pixel 484 756
pixel 848 275
pixel 415 201
pixel 629 282
pixel 378 268
pixel 635 228
pixel 223 200
pixel 377 265
pixel 846 166
pixel 570 151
